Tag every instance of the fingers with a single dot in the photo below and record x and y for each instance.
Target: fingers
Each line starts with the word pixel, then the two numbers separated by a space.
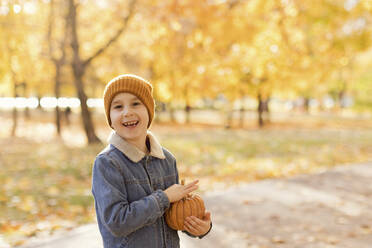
pixel 192 226
pixel 176 192
pixel 190 229
pixel 193 183
pixel 207 216
pixel 196 226
pixel 188 188
pixel 196 221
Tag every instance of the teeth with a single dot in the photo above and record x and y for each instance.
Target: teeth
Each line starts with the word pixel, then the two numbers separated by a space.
pixel 130 123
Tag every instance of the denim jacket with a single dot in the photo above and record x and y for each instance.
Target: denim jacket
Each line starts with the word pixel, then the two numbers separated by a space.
pixel 129 199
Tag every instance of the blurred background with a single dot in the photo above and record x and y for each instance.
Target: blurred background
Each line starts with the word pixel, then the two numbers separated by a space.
pixel 245 90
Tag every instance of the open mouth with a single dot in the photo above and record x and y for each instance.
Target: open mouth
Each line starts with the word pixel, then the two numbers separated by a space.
pixel 130 123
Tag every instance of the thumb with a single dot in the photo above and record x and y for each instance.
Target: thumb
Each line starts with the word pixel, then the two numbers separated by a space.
pixel 207 216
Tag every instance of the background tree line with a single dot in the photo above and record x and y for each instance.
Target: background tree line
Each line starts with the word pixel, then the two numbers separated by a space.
pixel 189 50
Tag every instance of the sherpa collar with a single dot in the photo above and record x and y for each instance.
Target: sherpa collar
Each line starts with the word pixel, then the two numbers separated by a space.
pixel 132 152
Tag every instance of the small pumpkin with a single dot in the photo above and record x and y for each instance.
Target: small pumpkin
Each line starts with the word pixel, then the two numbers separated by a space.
pixel 191 205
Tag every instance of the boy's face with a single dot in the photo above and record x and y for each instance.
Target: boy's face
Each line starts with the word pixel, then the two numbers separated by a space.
pixel 129 117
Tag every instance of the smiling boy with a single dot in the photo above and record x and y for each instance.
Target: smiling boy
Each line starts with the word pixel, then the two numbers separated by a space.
pixel 135 179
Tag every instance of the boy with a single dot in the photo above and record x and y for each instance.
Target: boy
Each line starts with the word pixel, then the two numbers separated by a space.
pixel 134 178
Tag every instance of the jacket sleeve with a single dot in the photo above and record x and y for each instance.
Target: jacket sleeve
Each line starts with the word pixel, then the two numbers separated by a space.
pixel 115 212
pixel 189 234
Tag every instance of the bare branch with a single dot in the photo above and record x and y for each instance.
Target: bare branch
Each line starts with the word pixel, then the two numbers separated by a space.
pixel 49 33
pixel 60 61
pixel 115 37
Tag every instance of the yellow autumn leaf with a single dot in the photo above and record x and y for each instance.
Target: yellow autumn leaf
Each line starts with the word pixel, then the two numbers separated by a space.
pixel 27 204
pixel 53 191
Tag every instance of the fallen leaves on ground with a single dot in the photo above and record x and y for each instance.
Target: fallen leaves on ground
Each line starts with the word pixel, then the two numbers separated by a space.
pixel 45 184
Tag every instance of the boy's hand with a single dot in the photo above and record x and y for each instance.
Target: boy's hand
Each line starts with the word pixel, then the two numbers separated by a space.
pixel 196 226
pixel 177 191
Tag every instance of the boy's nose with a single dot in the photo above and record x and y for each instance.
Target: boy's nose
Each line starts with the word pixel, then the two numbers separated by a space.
pixel 127 111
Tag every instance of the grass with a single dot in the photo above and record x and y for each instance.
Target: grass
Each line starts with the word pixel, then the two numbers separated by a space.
pixel 46 184
pixel 246 155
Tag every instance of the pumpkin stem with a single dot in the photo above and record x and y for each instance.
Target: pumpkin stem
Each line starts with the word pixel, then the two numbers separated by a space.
pixel 182 181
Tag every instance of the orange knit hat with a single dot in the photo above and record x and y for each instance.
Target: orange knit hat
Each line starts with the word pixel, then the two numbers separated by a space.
pixel 132 84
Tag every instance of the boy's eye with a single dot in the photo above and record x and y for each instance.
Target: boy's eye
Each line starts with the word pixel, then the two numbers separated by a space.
pixel 117 106
pixel 136 103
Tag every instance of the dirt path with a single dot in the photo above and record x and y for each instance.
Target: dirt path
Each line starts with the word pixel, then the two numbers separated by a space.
pixel 330 209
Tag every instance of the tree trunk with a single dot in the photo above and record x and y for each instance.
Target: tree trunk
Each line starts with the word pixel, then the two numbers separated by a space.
pixel 260 109
pixel 85 113
pixel 306 105
pixel 57 83
pixel 241 115
pixel 78 72
pixel 187 113
pixel 79 66
pixel 15 122
pixel 229 117
pixel 341 95
pixel 14 114
pixel 57 61
pixel 27 109
pixel 187 106
pixel 242 109
pixel 266 110
pixel 15 94
pixel 39 100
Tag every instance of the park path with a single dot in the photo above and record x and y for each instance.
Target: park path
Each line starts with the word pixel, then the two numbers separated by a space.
pixel 323 210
